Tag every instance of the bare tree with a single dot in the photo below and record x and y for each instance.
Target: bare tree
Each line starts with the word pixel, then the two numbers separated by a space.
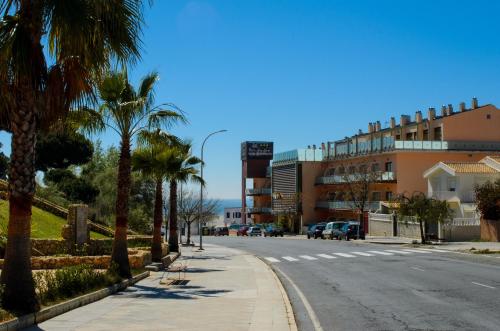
pixel 189 208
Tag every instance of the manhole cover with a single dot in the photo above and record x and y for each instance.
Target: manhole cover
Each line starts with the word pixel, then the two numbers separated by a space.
pixel 178 282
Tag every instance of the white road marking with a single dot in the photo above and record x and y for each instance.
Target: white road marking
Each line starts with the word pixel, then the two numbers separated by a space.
pixel 289 258
pixel 362 253
pixel 326 256
pixel 417 268
pixel 483 285
pixel 305 302
pixel 272 259
pixel 307 257
pixel 415 251
pixel 433 250
pixel 344 254
pixel 397 252
pixel 380 253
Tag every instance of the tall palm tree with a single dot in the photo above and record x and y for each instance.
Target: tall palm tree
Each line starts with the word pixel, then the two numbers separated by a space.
pixel 37 88
pixel 182 168
pixel 127 112
pixel 152 159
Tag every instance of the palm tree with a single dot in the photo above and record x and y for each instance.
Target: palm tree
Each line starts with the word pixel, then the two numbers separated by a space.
pixel 181 169
pixel 37 89
pixel 152 159
pixel 127 112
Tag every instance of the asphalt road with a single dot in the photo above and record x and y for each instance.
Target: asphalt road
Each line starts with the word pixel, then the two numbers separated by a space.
pixel 358 286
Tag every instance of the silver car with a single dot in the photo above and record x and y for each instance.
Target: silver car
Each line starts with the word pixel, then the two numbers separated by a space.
pixel 254 231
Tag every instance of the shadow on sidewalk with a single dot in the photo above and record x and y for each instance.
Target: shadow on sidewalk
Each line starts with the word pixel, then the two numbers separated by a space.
pixel 181 292
pixel 205 257
pixel 190 270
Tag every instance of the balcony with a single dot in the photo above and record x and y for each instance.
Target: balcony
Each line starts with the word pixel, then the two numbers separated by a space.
pixel 466 196
pixel 349 205
pixel 387 176
pixel 259 210
pixel 258 191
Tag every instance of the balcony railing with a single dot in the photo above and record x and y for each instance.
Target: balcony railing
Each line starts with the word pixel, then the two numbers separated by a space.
pixel 339 179
pixel 259 210
pixel 258 191
pixel 370 205
pixel 467 196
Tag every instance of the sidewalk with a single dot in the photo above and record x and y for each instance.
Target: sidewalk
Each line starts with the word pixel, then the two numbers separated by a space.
pixel 224 289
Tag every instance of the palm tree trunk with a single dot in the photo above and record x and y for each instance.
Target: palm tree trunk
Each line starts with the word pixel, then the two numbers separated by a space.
pixel 188 240
pixel 158 218
pixel 119 254
pixel 19 293
pixel 422 234
pixel 173 241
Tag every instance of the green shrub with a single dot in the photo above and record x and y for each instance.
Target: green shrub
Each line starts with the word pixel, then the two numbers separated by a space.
pixel 71 281
pixel 488 200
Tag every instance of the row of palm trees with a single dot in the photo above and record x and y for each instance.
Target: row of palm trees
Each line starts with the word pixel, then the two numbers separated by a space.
pixel 55 60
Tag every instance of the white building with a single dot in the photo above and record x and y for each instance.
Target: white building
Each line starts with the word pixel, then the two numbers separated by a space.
pixel 233 216
pixel 455 182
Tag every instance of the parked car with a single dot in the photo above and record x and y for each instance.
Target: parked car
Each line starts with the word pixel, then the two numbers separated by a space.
pixel 273 231
pixel 315 231
pixel 332 229
pixel 242 231
pixel 254 231
pixel 221 231
pixel 350 231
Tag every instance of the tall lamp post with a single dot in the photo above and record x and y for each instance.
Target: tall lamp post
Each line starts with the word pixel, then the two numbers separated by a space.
pixel 201 188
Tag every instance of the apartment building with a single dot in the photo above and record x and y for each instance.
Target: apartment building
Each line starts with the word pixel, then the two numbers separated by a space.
pixel 293 190
pixel 401 152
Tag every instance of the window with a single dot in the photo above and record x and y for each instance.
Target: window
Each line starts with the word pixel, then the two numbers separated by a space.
pixel 452 184
pixel 375 167
pixel 426 135
pixel 388 166
pixel 398 137
pixel 437 133
pixel 228 215
pixel 352 170
pixel 488 116
pixel 388 196
pixel 411 136
pixel 375 196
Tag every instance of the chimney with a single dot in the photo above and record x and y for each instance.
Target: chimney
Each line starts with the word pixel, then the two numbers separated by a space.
pixel 450 109
pixel 360 132
pixel 314 146
pixel 370 127
pixel 462 106
pixel 405 119
pixel 474 103
pixel 418 116
pixel 322 146
pixel 431 113
pixel 444 111
pixel 377 126
pixel 393 122
pixel 308 146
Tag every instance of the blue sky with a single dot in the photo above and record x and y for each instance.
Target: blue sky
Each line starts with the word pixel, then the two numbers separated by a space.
pixel 306 72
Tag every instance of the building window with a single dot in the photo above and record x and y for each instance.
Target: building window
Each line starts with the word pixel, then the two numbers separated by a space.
pixel 488 116
pixel 426 135
pixel 438 133
pixel 228 215
pixel 388 166
pixel 375 167
pixel 352 170
pixel 375 196
pixel 411 135
pixel 388 196
pixel 398 137
pixel 452 184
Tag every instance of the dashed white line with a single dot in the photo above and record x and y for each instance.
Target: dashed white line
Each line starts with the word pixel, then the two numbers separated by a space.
pixel 416 251
pixel 417 268
pixel 272 259
pixel 307 257
pixel 479 284
pixel 344 254
pixel 380 253
pixel 289 258
pixel 433 250
pixel 362 253
pixel 326 256
pixel 397 252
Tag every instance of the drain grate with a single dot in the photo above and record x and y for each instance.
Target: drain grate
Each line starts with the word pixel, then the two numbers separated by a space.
pixel 178 282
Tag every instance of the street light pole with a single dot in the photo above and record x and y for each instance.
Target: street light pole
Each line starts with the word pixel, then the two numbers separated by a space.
pixel 201 188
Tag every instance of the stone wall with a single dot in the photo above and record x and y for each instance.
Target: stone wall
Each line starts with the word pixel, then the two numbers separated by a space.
pixel 137 259
pixel 409 230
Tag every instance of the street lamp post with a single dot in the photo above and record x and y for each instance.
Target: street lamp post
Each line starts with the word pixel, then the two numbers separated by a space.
pixel 201 188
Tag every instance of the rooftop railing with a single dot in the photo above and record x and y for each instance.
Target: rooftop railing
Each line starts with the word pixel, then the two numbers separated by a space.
pixel 351 205
pixel 339 179
pixel 258 191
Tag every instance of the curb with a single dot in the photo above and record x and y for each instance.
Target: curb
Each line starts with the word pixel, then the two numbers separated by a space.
pixel 288 305
pixel 63 307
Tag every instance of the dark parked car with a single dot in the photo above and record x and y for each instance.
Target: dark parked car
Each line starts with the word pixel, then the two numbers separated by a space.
pixel 315 231
pixel 242 231
pixel 350 231
pixel 222 231
pixel 273 231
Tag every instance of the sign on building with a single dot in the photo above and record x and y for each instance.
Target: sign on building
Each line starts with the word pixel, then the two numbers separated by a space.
pixel 256 150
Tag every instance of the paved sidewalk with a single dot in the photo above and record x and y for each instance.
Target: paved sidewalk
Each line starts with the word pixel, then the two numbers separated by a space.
pixel 225 289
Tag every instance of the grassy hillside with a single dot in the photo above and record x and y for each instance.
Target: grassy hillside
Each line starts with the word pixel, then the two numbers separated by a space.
pixel 44 224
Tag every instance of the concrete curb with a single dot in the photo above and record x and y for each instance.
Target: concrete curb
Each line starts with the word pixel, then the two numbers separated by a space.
pixel 63 307
pixel 288 305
